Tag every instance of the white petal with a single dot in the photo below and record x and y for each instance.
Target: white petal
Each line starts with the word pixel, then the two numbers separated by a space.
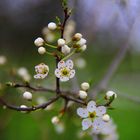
pixel 61 64
pixel 72 73
pixel 57 73
pixel 98 123
pixel 64 78
pixel 40 76
pixel 82 112
pixel 86 123
pixel 69 64
pixel 91 107
pixel 101 110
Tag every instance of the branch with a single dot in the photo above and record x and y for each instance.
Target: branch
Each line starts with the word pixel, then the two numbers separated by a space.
pixel 102 85
pixel 33 108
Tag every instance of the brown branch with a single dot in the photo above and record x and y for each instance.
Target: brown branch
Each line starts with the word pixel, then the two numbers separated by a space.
pixel 102 85
pixel 33 108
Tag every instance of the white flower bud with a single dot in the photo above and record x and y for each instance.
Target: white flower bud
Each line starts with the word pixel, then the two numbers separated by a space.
pixel 41 50
pixel 65 49
pixel 52 26
pixel 82 42
pixel 106 117
pixel 82 94
pixel 2 60
pixel 77 36
pixel 83 48
pixel 85 86
pixel 23 106
pixel 39 41
pixel 61 42
pixel 27 95
pixel 55 120
pixel 110 94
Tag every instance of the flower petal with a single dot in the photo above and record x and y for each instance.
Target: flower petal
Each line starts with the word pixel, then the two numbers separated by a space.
pixel 91 107
pixel 64 78
pixel 98 123
pixel 69 64
pixel 82 112
pixel 72 73
pixel 61 64
pixel 40 76
pixel 86 123
pixel 101 110
pixel 57 73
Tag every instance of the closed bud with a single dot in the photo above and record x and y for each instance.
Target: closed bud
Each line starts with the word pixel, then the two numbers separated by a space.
pixel 106 117
pixel 82 94
pixel 61 42
pixel 77 37
pixel 52 26
pixel 27 95
pixel 65 49
pixel 39 42
pixel 55 120
pixel 41 50
pixel 109 94
pixel 85 86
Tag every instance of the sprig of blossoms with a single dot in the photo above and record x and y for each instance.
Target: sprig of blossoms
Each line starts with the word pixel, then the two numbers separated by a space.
pixel 92 116
pixel 65 70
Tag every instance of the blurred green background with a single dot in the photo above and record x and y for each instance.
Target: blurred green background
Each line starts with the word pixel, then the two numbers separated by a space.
pixel 19 28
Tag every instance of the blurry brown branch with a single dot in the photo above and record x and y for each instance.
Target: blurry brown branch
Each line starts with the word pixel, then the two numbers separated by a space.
pixel 44 105
pixel 102 85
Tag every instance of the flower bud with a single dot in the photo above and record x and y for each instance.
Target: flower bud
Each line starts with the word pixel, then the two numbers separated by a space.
pixel 55 120
pixel 41 50
pixel 77 36
pixel 65 49
pixel 39 42
pixel 106 117
pixel 109 94
pixel 27 95
pixel 85 86
pixel 2 60
pixel 61 42
pixel 82 42
pixel 82 94
pixel 83 48
pixel 23 106
pixel 52 26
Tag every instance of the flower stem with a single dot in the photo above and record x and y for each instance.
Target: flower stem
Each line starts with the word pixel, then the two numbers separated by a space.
pixel 69 55
pixel 49 45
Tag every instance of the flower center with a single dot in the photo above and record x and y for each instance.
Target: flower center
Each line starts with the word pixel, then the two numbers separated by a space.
pixel 92 115
pixel 65 72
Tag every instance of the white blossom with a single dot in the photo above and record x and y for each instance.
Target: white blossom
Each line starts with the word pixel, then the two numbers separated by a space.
pixel 39 41
pixel 83 48
pixel 85 86
pixel 61 42
pixel 82 94
pixel 41 70
pixel 41 50
pixel 65 49
pixel 27 95
pixel 65 70
pixel 109 94
pixel 92 116
pixel 59 128
pixel 52 26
